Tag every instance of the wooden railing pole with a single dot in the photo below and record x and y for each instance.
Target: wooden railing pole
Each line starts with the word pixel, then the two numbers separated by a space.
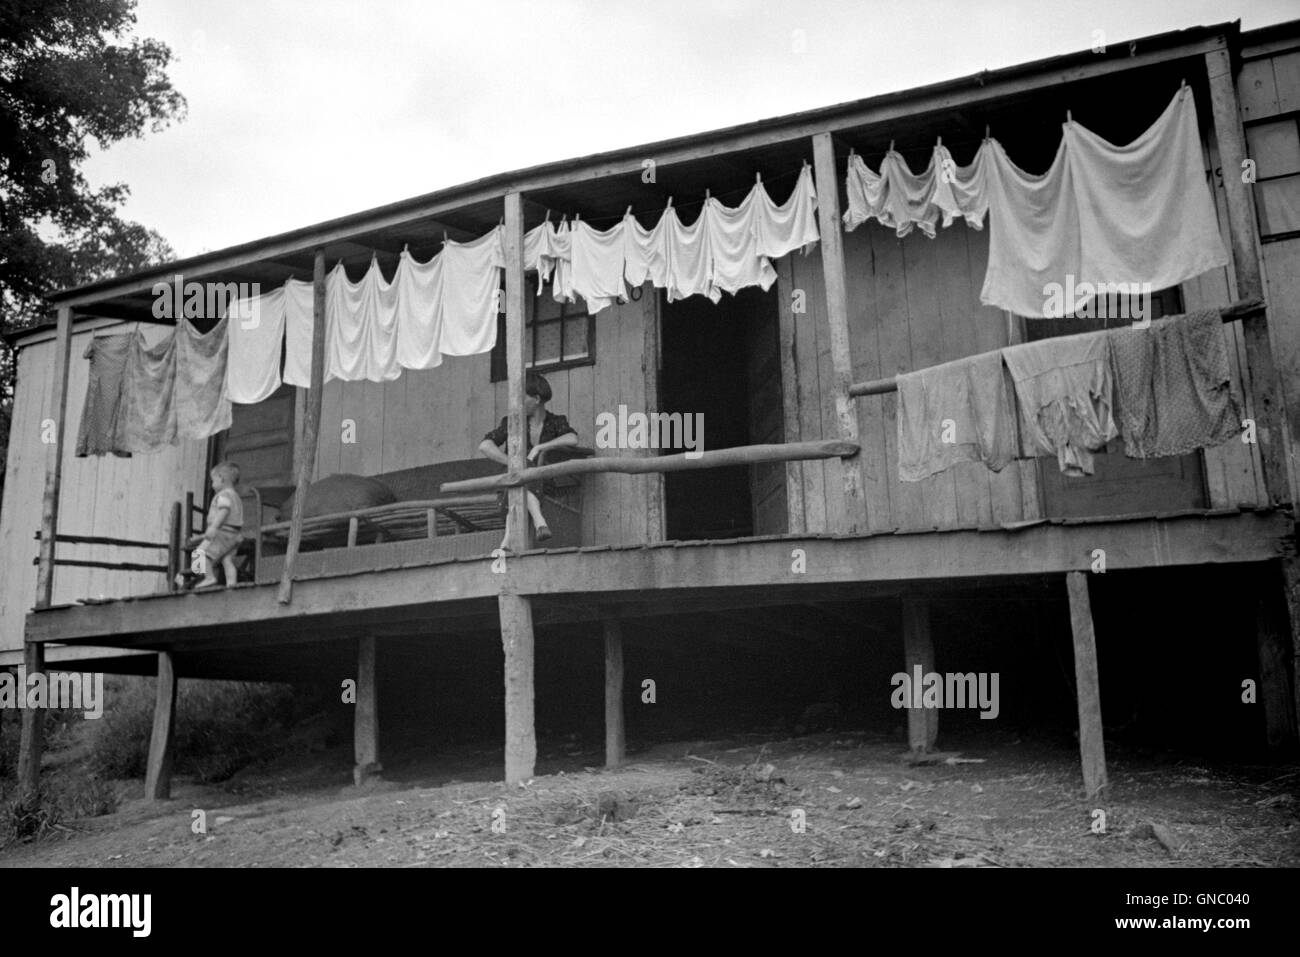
pixel 54 460
pixel 837 317
pixel 310 427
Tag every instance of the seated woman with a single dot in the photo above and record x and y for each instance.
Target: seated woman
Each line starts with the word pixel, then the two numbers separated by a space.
pixel 544 430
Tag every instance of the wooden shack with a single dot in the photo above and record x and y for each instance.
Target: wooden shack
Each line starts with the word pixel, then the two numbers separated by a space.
pixel 795 504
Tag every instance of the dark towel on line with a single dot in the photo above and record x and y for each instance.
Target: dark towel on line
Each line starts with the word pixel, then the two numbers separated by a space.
pixel 97 434
pixel 1173 386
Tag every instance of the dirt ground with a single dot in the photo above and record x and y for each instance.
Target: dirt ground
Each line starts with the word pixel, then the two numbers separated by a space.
pixel 829 800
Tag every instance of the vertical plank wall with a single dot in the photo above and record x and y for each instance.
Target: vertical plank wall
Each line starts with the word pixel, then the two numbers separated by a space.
pixel 439 415
pixel 913 302
pixel 102 495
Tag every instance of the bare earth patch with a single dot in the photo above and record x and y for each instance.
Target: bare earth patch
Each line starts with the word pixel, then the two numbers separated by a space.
pixel 832 800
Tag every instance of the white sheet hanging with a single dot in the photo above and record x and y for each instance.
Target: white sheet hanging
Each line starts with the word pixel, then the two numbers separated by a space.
pixel 562 277
pixel 255 338
pixel 793 224
pixel 362 321
pixel 419 312
pixel 540 252
pixel 471 281
pixel 1101 216
pixel 597 257
pixel 690 268
pixel 645 252
pixel 733 245
pixel 298 321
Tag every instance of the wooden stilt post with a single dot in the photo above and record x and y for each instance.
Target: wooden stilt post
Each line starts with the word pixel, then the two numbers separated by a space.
pixel 1265 387
pixel 615 736
pixel 32 736
pixel 365 721
pixel 918 651
pixel 310 427
pixel 1092 745
pixel 158 775
pixel 650 360
pixel 516 610
pixel 837 315
pixel 1272 644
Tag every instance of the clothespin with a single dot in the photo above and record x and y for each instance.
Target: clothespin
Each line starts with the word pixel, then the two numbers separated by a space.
pixel 548 216
pixel 987 134
pixel 1069 117
pixel 708 195
pixel 629 211
pixel 444 237
pixel 758 179
pixel 891 146
pixel 670 202
pixel 852 153
pixel 406 247
pixel 938 141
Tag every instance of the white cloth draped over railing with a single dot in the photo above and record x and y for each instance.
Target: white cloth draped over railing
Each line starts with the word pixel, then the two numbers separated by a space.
pixel 448 306
pixel 1101 215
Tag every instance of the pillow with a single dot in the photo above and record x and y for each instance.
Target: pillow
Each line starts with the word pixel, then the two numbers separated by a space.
pixel 340 493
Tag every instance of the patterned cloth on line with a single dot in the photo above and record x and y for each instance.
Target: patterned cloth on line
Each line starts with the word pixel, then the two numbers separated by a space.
pixel 1173 386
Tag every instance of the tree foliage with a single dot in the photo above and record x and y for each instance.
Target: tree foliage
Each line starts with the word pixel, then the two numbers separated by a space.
pixel 70 72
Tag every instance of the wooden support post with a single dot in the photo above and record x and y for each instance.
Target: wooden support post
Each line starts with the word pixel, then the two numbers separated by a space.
pixel 1273 646
pixel 31 739
pixel 310 427
pixel 1291 598
pixel 1092 745
pixel 650 361
pixel 837 315
pixel 54 460
pixel 517 643
pixel 158 775
pixel 365 721
pixel 918 651
pixel 615 734
pixel 1266 389
pixel 517 519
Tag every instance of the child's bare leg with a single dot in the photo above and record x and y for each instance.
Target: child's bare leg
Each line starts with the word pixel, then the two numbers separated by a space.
pixel 209 571
pixel 539 521
pixel 232 573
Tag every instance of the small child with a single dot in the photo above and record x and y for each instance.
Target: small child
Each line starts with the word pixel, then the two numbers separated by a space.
pixel 225 521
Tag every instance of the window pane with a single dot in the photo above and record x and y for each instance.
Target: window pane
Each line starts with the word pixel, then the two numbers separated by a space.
pixel 547 307
pixel 1279 205
pixel 575 337
pixel 548 342
pixel 1275 148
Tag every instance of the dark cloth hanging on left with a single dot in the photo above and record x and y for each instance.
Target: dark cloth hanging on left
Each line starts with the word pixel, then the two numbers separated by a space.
pixel 98 430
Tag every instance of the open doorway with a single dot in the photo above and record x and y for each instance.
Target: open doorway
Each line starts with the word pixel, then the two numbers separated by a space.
pixel 723 361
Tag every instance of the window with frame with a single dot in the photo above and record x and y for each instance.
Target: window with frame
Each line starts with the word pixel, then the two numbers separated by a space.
pixel 1275 147
pixel 557 335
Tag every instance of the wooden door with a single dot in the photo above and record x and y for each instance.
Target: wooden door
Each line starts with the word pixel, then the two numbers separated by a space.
pixel 766 412
pixel 260 442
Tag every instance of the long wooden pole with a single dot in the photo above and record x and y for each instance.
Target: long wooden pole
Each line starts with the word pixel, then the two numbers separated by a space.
pixel 682 462
pixel 918 650
pixel 837 317
pixel 310 427
pixel 54 460
pixel 365 719
pixel 1265 387
pixel 516 611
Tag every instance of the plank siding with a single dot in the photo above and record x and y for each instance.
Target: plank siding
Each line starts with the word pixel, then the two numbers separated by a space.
pixel 103 496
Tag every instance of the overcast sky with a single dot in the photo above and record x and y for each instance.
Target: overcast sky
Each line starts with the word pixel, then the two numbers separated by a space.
pixel 303 111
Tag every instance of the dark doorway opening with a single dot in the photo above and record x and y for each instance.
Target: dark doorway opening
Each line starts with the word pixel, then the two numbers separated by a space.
pixel 722 361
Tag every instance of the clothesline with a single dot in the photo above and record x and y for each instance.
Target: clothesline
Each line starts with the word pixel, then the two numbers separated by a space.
pixel 1237 311
pixel 1139 216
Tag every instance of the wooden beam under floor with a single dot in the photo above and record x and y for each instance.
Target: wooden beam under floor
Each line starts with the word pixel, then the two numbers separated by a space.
pixel 615 734
pixel 158 775
pixel 1092 745
pixel 365 721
